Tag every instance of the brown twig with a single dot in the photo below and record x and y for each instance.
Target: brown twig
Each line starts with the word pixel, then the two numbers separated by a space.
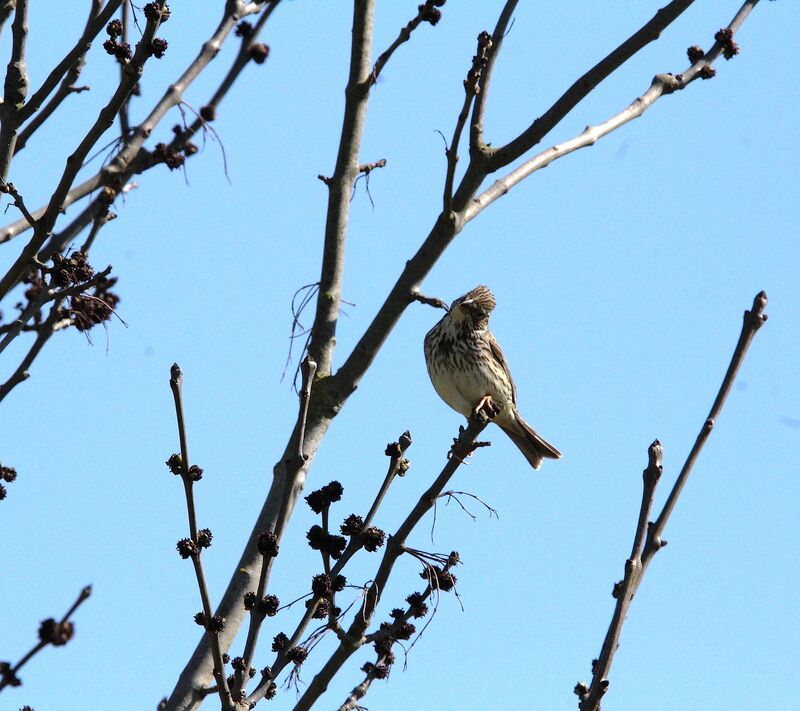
pixel 397 467
pixel 11 190
pixel 50 633
pixel 188 476
pixel 472 88
pixel 124 120
pixel 395 546
pixel 648 538
pixel 476 142
pixel 425 10
pixel 584 85
pixel 661 85
pixel 43 332
pixel 434 301
pixel 67 71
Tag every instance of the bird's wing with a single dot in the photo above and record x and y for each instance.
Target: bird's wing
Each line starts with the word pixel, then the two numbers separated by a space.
pixel 497 354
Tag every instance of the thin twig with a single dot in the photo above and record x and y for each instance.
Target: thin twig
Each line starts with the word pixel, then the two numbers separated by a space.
pixel 403 36
pixel 63 631
pixel 18 201
pixel 176 385
pixel 67 71
pixel 43 332
pixel 309 369
pixel 397 466
pixel 476 141
pixel 462 448
pixel 584 85
pixel 124 121
pixel 472 87
pixel 661 85
pixel 648 538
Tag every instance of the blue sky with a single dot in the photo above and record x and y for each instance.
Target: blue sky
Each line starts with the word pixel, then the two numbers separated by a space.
pixel 621 273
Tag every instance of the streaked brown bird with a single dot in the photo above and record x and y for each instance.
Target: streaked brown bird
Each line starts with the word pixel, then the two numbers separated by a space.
pixel 466 366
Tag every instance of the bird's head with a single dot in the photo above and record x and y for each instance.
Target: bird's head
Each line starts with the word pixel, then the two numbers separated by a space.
pixel 474 307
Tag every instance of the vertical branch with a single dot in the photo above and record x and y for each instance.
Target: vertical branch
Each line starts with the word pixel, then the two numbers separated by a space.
pixel 476 141
pixel 124 123
pixel 340 187
pixel 191 547
pixel 15 89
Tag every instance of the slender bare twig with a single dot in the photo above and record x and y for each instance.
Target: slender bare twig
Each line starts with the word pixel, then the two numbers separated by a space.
pixel 309 369
pixel 662 85
pixel 50 632
pixel 434 301
pixel 472 87
pixel 189 475
pixel 18 201
pixel 464 445
pixel 397 466
pixel 648 538
pixel 476 141
pixel 124 120
pixel 66 71
pixel 583 86
pixel 425 13
pixel 43 332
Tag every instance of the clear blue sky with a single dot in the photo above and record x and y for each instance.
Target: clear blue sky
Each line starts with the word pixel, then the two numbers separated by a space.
pixel 621 274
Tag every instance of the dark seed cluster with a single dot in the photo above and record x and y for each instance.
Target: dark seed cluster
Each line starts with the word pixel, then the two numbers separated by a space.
pixel 268 544
pixel 321 540
pixel 320 499
pixel 729 48
pixel 430 12
pixel 56 633
pixel 71 270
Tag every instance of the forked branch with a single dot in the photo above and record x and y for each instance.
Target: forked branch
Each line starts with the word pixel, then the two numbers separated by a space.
pixel 648 537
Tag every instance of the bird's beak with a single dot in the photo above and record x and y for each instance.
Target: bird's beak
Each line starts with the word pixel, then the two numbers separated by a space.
pixel 467 302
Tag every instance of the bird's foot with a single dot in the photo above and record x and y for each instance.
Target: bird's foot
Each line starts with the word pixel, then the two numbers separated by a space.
pixel 486 408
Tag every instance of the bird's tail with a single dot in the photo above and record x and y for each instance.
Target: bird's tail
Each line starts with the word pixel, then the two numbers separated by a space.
pixel 530 443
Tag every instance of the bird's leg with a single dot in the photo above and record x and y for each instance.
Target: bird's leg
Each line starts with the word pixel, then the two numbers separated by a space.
pixel 487 408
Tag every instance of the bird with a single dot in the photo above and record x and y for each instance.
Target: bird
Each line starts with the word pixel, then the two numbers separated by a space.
pixel 468 369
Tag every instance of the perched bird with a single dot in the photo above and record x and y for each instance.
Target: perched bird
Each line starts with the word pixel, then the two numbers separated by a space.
pixel 466 366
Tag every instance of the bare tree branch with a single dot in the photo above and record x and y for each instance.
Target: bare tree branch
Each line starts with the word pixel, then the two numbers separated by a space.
pixel 67 71
pixel 50 633
pixel 15 88
pixel 476 141
pixel 464 445
pixel 649 32
pixel 648 538
pixel 192 547
pixel 662 85
pixel 46 329
pixel 75 161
